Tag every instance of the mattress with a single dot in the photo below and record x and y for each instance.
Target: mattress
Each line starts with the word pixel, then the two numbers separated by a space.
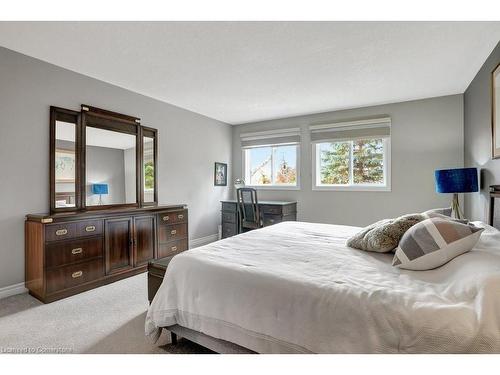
pixel 295 287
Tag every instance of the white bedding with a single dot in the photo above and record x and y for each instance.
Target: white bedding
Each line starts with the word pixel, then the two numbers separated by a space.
pixel 296 287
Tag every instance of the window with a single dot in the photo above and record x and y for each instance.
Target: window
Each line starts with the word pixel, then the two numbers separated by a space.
pixel 352 155
pixel 354 163
pixel 271 166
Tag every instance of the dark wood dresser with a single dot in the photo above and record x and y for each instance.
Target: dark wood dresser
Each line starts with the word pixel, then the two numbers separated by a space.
pixel 273 212
pixel 68 253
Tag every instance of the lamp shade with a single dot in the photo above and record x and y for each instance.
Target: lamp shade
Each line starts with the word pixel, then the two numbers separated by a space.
pixel 99 188
pixel 459 180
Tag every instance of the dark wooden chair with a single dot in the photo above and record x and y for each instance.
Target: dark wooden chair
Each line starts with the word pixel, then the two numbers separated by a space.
pixel 248 206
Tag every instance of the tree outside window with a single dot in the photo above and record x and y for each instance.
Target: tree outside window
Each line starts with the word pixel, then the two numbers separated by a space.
pixel 149 175
pixel 352 162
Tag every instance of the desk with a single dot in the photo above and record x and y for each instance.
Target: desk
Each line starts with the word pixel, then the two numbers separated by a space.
pixel 272 212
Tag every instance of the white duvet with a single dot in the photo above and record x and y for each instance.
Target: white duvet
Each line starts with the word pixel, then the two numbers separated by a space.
pixel 296 287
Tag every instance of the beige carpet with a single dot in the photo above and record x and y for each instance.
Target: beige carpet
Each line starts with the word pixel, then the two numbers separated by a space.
pixel 109 319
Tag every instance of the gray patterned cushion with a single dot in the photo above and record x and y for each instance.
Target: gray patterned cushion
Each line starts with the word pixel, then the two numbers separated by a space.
pixel 434 242
pixel 384 235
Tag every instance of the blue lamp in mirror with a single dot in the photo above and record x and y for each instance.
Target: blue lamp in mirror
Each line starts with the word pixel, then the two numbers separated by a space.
pixel 455 181
pixel 101 189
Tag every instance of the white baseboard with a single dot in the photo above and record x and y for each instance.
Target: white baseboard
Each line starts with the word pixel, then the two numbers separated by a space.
pixel 203 240
pixel 12 290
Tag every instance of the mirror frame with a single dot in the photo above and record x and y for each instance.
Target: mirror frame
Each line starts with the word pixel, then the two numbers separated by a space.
pixel 495 112
pixel 150 133
pixel 67 115
pixel 107 120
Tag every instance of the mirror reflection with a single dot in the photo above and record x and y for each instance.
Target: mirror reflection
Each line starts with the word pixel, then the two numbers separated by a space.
pixel 110 167
pixel 149 169
pixel 65 164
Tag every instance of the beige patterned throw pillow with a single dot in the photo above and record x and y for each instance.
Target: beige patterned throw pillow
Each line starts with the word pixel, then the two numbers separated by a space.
pixel 384 235
pixel 434 242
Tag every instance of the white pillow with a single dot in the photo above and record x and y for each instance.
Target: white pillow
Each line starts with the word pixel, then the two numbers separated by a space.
pixel 434 242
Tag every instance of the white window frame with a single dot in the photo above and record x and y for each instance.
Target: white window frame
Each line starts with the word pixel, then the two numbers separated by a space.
pixel 245 167
pixel 386 187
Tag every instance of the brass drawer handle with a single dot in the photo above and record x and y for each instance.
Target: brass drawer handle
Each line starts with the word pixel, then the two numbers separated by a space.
pixel 78 250
pixel 173 231
pixel 90 228
pixel 181 216
pixel 174 248
pixel 61 232
pixel 166 218
pixel 76 274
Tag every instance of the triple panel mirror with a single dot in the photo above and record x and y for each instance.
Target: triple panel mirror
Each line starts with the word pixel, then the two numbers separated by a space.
pixel 101 159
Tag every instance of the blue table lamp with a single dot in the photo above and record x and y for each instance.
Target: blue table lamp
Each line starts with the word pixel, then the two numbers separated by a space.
pixel 459 180
pixel 100 189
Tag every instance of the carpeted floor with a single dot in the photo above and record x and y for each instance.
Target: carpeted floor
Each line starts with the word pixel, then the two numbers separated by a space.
pixel 109 319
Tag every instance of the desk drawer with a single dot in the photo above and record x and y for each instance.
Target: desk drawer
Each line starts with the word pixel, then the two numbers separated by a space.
pixel 229 217
pixel 74 275
pixel 171 248
pixel 272 219
pixel 173 217
pixel 172 232
pixel 272 210
pixel 229 229
pixel 229 206
pixel 61 253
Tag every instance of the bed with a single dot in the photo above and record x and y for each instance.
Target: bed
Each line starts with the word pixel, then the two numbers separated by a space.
pixel 296 288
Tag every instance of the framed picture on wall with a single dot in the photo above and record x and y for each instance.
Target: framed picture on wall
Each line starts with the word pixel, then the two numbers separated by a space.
pixel 220 174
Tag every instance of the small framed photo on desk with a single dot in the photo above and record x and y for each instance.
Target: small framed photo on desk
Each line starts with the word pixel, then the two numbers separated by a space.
pixel 220 174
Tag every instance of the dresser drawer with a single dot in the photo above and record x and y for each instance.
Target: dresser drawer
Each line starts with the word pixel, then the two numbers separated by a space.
pixel 89 228
pixel 173 217
pixel 172 232
pixel 63 231
pixel 74 275
pixel 61 253
pixel 229 229
pixel 272 210
pixel 171 248
pixel 229 217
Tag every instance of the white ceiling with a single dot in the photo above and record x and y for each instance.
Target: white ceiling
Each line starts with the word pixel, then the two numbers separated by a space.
pixel 240 72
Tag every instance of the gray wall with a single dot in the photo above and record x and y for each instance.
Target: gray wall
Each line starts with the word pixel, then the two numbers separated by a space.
pixel 426 135
pixel 477 136
pixel 189 144
pixel 105 165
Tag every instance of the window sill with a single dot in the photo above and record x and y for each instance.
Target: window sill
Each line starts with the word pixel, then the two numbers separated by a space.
pixel 273 187
pixel 353 188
